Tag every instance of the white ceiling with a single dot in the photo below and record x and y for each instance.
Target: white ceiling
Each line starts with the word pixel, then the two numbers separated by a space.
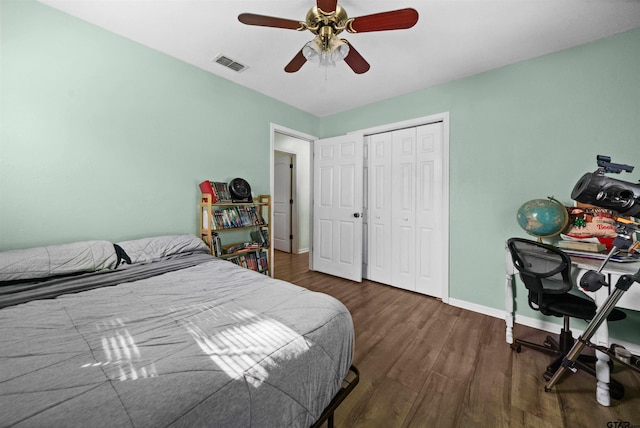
pixel 452 39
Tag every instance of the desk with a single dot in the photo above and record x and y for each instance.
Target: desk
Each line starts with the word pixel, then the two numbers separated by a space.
pixel 630 300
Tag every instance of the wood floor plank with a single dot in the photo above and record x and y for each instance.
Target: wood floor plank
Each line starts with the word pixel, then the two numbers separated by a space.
pixel 458 357
pixel 437 403
pixel 382 351
pixel 627 409
pixel 413 366
pixel 521 419
pixel 424 363
pixel 356 403
pixel 527 387
pixel 388 407
pixel 488 398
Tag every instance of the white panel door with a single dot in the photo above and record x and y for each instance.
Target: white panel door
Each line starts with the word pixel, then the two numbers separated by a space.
pixel 365 208
pixel 337 206
pixel 403 207
pixel 282 203
pixel 379 208
pixel 429 209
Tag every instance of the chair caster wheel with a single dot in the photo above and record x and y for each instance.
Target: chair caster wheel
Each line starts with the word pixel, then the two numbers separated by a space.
pixel 548 375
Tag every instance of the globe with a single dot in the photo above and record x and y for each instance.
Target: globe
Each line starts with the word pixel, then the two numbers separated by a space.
pixel 543 218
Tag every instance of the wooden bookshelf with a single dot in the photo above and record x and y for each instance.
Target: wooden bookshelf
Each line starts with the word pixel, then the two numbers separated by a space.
pixel 250 248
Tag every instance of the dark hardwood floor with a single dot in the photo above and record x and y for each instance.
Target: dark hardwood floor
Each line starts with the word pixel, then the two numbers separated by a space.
pixel 424 363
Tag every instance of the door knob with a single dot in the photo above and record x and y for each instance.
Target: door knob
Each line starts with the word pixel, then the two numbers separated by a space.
pixel 356 215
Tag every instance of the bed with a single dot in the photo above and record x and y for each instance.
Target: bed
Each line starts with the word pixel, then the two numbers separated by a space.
pixel 157 332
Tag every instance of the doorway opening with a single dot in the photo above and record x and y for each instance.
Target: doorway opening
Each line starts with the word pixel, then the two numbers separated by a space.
pixel 284 223
pixel 291 189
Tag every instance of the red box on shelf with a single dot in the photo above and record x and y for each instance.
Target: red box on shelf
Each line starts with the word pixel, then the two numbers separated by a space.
pixel 207 189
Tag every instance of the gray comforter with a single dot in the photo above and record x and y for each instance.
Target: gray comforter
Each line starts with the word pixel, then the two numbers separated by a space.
pixel 206 345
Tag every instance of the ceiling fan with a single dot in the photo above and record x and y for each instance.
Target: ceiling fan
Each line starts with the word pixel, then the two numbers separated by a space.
pixel 326 20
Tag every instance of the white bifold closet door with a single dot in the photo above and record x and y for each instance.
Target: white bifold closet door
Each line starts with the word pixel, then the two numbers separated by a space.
pixel 379 208
pixel 405 201
pixel 403 208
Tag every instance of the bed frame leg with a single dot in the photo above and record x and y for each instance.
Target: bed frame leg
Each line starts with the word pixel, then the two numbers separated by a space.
pixel 350 381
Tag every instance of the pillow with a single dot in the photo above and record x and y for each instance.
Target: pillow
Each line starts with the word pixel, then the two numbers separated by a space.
pixel 55 260
pixel 145 249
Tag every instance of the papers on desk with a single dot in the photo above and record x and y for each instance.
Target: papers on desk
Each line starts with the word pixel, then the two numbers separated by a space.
pixel 618 258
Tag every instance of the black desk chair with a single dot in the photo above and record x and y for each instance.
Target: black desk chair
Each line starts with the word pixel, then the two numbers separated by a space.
pixel 546 273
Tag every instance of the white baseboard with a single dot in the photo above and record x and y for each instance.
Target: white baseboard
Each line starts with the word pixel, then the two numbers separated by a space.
pixel 303 250
pixel 474 307
pixel 533 322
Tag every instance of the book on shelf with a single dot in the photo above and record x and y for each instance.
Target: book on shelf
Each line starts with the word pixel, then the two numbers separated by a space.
pixel 217 244
pixel 263 262
pixel 226 219
pixel 222 191
pixel 251 261
pixel 593 247
pixel 233 217
pixel 214 244
pixel 233 248
pixel 261 236
pixel 240 248
pixel 257 215
pixel 221 222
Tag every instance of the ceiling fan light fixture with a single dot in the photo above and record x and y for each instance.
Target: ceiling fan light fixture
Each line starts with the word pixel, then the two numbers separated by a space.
pixel 338 48
pixel 335 51
pixel 311 51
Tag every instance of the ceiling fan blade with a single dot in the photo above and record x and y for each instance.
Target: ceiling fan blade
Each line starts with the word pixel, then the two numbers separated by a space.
pixel 296 63
pixel 269 21
pixel 392 20
pixel 327 6
pixel 354 60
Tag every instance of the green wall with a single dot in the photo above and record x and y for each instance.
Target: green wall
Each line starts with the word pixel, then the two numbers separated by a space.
pixel 522 132
pixel 104 138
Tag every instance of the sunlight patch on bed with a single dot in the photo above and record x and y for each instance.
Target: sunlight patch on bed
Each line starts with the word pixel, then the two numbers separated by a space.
pixel 123 360
pixel 244 346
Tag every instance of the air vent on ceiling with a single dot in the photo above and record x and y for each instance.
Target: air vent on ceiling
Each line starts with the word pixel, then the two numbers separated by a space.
pixel 229 63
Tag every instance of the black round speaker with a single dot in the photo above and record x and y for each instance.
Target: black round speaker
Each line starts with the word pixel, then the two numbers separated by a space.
pixel 240 190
